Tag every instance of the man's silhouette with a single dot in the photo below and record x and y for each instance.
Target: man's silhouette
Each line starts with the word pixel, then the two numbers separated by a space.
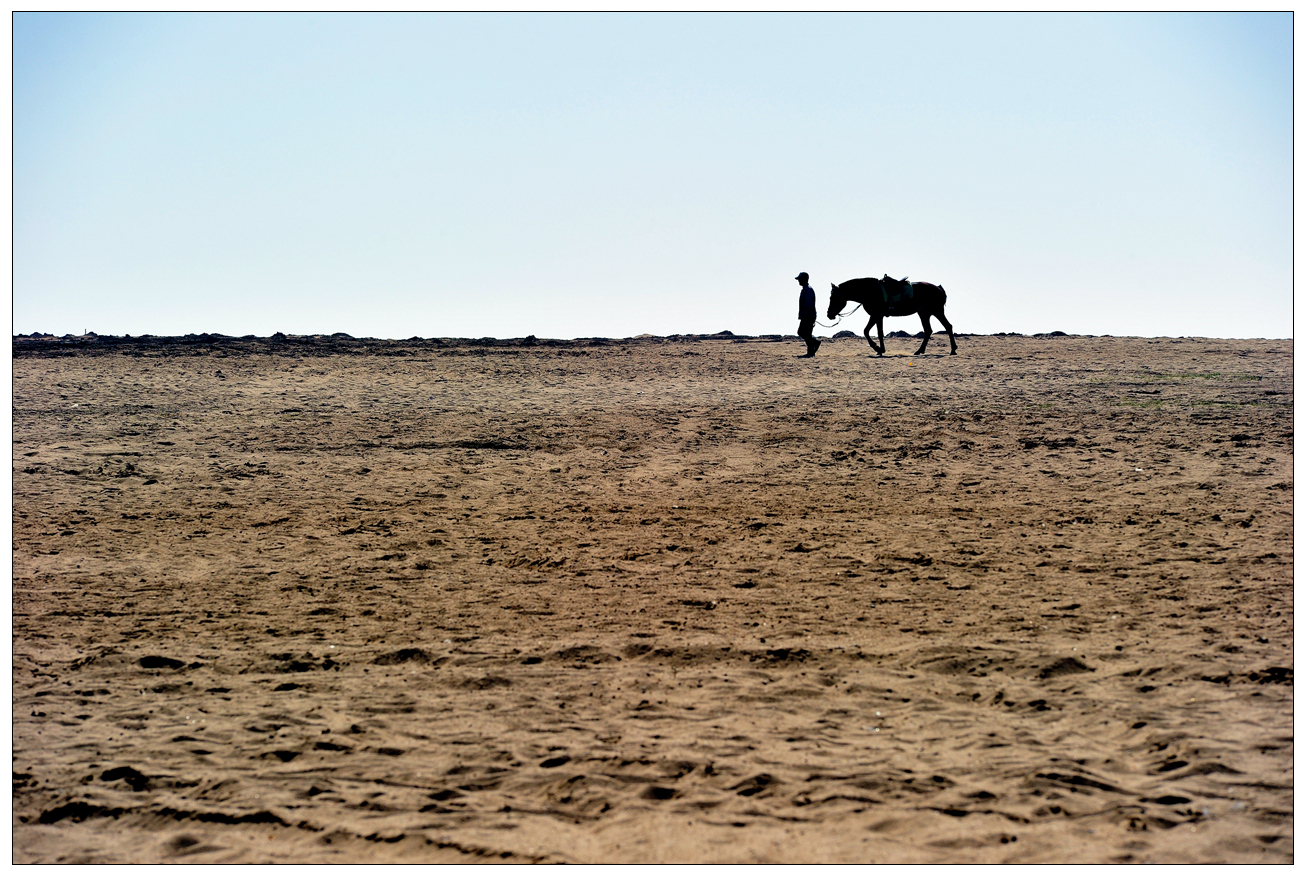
pixel 807 316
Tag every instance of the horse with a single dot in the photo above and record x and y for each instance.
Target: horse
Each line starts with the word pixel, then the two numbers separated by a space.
pixel 890 297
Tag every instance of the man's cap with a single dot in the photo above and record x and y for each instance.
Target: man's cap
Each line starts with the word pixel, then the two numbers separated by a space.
pixel 802 276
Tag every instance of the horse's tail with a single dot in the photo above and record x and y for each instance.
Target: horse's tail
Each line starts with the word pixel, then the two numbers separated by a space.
pixel 943 296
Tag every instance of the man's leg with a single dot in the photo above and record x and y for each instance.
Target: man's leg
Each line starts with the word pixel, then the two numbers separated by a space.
pixel 805 332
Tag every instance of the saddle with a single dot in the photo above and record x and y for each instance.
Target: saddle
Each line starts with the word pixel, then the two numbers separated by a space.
pixel 902 291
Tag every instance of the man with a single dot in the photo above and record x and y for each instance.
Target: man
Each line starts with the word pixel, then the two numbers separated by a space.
pixel 807 316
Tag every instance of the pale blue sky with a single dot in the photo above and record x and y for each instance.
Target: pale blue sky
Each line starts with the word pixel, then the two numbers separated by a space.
pixel 612 175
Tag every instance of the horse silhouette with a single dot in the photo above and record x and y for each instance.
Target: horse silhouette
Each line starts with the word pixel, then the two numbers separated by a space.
pixel 890 297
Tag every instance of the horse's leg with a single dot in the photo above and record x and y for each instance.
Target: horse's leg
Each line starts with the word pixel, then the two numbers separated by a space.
pixel 938 314
pixel 925 324
pixel 879 351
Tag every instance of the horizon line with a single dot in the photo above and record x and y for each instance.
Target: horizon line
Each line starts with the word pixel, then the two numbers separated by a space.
pixel 533 340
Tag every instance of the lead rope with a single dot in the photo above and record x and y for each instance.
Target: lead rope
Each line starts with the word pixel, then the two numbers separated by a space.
pixel 839 319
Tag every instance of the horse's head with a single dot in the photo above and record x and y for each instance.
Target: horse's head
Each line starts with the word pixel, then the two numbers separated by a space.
pixel 838 300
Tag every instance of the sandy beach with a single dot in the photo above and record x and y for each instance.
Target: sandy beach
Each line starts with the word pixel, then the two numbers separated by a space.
pixel 656 600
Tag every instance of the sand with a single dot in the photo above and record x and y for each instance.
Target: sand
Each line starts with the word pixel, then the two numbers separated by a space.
pixel 656 600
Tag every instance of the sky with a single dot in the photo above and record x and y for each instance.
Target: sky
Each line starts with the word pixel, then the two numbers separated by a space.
pixel 581 175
